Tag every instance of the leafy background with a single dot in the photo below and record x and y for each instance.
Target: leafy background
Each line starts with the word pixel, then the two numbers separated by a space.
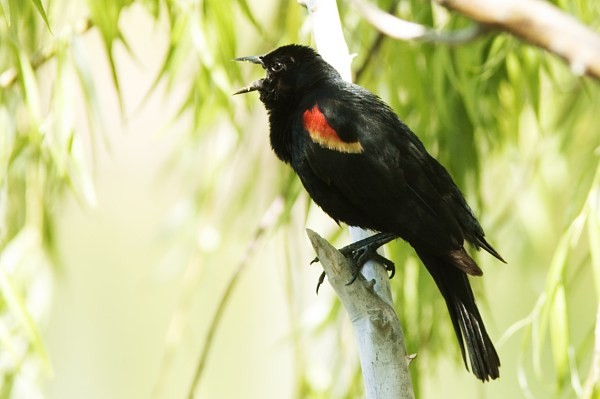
pixel 134 188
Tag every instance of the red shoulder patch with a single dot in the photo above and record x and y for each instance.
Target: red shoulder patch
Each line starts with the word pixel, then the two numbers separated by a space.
pixel 323 134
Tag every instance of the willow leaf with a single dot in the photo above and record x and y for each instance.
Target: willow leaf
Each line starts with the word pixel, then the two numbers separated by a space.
pixel 30 87
pixel 248 14
pixel 40 7
pixel 90 96
pixel 593 224
pixel 24 244
pixel 559 334
pixel 5 6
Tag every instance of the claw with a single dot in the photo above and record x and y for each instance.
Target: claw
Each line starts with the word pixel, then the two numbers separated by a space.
pixel 321 279
pixel 365 254
pixel 361 252
pixel 354 276
pixel 388 264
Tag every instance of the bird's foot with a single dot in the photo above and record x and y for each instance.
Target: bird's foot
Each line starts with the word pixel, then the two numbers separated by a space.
pixel 365 254
pixel 362 251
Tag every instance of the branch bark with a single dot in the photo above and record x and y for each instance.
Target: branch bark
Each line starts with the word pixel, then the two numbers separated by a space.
pixel 540 23
pixel 378 333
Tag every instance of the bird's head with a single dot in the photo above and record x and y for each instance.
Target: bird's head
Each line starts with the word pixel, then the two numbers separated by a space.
pixel 291 71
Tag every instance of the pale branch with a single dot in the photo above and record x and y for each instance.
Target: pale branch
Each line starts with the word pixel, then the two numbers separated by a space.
pixel 377 329
pixel 374 271
pixel 401 29
pixel 329 37
pixel 395 382
pixel 540 23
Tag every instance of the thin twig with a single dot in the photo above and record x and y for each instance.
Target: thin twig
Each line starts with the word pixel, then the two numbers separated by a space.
pixel 401 29
pixel 270 217
pixel 9 76
pixel 374 48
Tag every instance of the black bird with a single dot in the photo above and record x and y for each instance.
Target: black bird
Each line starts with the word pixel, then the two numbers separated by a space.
pixel 363 166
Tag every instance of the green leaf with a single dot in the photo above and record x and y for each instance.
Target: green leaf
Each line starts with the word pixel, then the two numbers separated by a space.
pixel 106 15
pixel 559 334
pixel 553 281
pixel 115 75
pixel 90 95
pixel 38 4
pixel 170 64
pixel 248 13
pixel 25 244
pixel 594 229
pixel 30 87
pixel 5 5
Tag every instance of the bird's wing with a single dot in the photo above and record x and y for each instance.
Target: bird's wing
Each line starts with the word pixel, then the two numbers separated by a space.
pixel 362 150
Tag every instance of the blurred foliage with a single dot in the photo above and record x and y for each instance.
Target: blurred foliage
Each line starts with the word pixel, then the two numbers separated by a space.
pixel 40 157
pixel 514 127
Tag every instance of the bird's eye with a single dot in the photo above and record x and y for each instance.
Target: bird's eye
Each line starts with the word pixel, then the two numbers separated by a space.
pixel 277 66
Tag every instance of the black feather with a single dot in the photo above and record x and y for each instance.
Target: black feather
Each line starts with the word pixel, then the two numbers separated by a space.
pixel 468 325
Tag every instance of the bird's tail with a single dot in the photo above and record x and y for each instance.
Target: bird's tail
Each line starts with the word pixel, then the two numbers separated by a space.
pixel 468 325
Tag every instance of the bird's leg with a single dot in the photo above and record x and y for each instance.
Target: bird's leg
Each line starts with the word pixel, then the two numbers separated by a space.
pixel 362 251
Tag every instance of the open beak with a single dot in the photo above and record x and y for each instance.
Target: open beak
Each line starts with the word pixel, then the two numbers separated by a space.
pixel 257 84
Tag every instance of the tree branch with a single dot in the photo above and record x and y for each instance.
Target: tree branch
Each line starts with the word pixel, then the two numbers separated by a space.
pixel 377 329
pixel 374 47
pixel 329 37
pixel 404 30
pixel 540 23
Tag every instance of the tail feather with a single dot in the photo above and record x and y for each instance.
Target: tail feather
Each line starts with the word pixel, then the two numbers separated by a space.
pixel 481 242
pixel 468 325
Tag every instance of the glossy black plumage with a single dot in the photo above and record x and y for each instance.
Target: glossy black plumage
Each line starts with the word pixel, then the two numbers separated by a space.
pixel 363 166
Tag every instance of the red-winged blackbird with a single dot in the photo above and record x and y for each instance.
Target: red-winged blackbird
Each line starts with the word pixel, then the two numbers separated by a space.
pixel 363 166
